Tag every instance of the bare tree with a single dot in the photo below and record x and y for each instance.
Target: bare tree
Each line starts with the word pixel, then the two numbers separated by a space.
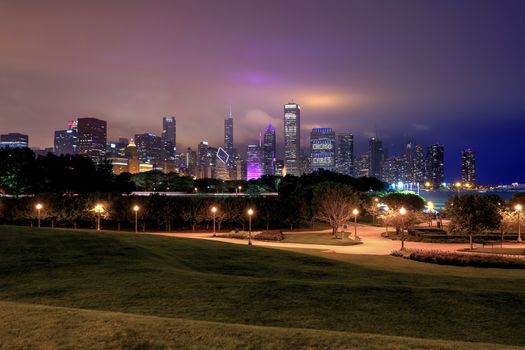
pixel 333 203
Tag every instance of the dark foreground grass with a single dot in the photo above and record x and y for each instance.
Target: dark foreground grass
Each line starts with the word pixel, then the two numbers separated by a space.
pixel 66 328
pixel 317 238
pixel 201 280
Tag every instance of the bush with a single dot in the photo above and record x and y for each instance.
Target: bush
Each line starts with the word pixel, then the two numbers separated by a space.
pixel 460 259
pixel 275 235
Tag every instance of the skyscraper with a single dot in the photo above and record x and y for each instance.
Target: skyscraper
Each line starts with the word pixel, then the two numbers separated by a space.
pixel 254 162
pixel 376 157
pixel 292 138
pixel 418 167
pixel 149 148
pixel 66 141
pixel 92 138
pixel 228 135
pixel 345 154
pixel 269 149
pixel 169 138
pixel 14 140
pixel 362 165
pixel 468 167
pixel 133 158
pixel 435 165
pixel 322 149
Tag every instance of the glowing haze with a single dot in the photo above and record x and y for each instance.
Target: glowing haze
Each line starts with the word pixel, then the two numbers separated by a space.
pixel 437 71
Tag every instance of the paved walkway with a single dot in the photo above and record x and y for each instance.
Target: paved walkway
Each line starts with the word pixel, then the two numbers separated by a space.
pixel 373 243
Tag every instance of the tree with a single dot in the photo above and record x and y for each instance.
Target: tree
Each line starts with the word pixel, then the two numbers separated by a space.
pixel 407 200
pixel 470 214
pixel 333 203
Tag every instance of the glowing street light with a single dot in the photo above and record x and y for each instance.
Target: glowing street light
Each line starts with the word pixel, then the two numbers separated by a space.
pixel 403 212
pixel 99 209
pixel 238 189
pixel 518 208
pixel 458 186
pixel 136 209
pixel 428 184
pixel 196 189
pixel 38 207
pixel 214 211
pixel 355 212
pixel 250 213
pixel 430 207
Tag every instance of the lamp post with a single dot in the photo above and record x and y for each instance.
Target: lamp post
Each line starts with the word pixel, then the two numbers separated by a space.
pixel 355 212
pixel 428 185
pixel 402 211
pixel 136 209
pixel 518 208
pixel 430 207
pixel 250 213
pixel 214 210
pixel 98 209
pixel 238 189
pixel 38 209
pixel 458 186
pixel 376 204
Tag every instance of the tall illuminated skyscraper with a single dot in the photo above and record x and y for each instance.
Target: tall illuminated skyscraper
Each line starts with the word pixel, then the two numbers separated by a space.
pixel 345 154
pixel 254 162
pixel 468 167
pixel 269 149
pixel 292 138
pixel 149 148
pixel 169 138
pixel 228 135
pixel 322 149
pixel 436 165
pixel 376 156
pixel 92 138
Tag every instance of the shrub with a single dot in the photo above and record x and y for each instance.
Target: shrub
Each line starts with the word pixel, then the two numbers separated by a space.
pixel 274 235
pixel 460 259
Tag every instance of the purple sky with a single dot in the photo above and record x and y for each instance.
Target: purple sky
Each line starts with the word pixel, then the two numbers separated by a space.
pixel 437 71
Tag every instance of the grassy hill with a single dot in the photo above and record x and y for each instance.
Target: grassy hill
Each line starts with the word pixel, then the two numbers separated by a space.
pixel 59 288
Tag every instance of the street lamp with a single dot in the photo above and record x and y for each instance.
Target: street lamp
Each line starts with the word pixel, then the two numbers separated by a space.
pixel 403 212
pixel 458 185
pixel 518 208
pixel 374 214
pixel 430 207
pixel 196 189
pixel 38 207
pixel 250 213
pixel 214 210
pixel 355 212
pixel 136 209
pixel 98 209
pixel 428 184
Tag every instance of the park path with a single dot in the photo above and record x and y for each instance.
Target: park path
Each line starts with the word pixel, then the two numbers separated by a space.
pixel 373 243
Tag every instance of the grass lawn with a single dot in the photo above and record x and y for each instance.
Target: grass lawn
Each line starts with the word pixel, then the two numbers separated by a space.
pixel 80 289
pixel 317 238
pixel 507 251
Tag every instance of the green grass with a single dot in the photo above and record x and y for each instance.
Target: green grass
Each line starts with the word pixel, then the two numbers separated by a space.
pixel 141 291
pixel 317 238
pixel 506 251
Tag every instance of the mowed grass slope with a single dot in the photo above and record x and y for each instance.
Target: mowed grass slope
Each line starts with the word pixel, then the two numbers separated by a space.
pixel 185 279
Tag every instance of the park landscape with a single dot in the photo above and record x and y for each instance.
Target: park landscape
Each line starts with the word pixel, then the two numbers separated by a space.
pixel 120 271
pixel 325 261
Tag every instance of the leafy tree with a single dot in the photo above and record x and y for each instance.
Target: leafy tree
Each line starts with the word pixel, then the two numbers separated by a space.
pixel 408 200
pixel 470 214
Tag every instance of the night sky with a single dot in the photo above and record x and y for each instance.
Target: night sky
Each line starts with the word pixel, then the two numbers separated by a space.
pixel 435 71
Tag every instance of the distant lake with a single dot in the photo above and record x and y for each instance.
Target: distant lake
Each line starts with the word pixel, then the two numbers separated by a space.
pixel 440 198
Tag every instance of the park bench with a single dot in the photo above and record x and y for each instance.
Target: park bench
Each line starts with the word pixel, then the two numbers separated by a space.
pixel 490 243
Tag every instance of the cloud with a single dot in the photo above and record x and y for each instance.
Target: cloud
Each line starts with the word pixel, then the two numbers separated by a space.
pixel 422 127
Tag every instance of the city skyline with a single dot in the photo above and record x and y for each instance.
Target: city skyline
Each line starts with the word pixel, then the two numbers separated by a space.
pixel 361 71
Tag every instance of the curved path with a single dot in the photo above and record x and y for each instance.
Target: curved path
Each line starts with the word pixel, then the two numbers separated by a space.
pixel 373 243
